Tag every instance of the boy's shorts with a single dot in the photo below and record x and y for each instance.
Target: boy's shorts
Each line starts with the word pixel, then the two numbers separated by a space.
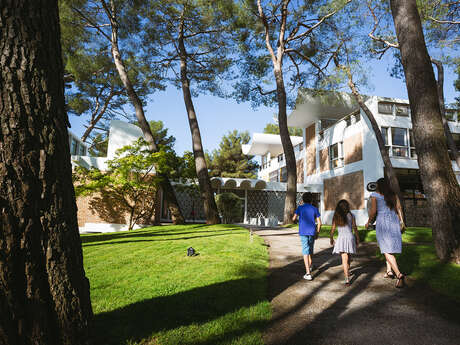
pixel 307 244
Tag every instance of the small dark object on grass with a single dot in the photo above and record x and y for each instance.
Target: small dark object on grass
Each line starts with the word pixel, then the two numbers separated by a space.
pixel 191 252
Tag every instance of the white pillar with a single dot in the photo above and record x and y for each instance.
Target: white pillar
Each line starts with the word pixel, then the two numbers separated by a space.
pixel 245 206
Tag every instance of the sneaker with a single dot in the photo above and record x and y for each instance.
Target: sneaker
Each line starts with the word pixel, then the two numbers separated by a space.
pixel 307 277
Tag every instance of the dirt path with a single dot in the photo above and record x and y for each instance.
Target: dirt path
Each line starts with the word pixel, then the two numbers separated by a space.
pixel 370 311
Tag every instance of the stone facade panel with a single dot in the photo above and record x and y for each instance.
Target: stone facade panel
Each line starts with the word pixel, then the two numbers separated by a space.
pixel 299 168
pixel 349 187
pixel 310 150
pixel 324 159
pixel 353 148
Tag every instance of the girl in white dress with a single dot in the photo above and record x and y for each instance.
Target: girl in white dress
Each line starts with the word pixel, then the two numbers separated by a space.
pixel 346 243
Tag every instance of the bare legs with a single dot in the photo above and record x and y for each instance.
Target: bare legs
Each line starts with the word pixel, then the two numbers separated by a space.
pixel 392 264
pixel 345 264
pixel 307 261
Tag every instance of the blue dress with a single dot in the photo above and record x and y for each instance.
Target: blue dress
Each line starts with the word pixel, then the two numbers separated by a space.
pixel 345 242
pixel 387 227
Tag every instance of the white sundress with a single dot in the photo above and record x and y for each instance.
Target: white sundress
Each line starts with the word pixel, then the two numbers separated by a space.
pixel 345 242
pixel 387 228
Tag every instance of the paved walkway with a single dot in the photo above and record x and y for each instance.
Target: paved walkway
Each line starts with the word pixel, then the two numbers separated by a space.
pixel 370 311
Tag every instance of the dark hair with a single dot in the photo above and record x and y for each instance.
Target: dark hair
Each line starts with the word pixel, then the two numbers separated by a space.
pixel 388 194
pixel 307 197
pixel 341 212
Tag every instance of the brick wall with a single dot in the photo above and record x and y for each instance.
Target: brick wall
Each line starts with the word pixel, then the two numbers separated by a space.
pixel 349 187
pixel 102 208
pixel 310 149
pixel 353 148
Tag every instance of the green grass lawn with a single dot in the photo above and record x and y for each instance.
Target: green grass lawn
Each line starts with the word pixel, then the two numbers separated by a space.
pixel 418 259
pixel 145 290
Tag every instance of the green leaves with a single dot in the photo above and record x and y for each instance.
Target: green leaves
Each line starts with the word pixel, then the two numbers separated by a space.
pixel 229 160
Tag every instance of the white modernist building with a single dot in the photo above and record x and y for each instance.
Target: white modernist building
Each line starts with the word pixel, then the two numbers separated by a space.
pixel 338 154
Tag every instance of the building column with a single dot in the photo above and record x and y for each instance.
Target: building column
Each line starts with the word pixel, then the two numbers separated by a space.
pixel 245 206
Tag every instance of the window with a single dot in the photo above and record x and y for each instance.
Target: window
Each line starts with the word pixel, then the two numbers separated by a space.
pixel 273 176
pixel 384 131
pixel 73 147
pixel 336 155
pixel 413 154
pixel 298 148
pixel 450 115
pixel 283 174
pixel 265 162
pixel 281 157
pixel 399 142
pixel 385 108
pixel 402 110
pixel 82 150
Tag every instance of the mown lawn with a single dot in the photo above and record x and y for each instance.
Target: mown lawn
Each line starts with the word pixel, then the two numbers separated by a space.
pixel 145 290
pixel 418 259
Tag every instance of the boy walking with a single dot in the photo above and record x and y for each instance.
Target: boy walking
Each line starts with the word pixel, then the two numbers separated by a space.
pixel 308 231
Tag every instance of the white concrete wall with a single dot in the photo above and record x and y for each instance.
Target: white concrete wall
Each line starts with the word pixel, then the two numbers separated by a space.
pixel 121 134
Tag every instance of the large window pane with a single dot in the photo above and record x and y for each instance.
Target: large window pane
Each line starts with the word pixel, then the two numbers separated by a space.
pixel 385 108
pixel 384 131
pixel 398 136
pixel 402 110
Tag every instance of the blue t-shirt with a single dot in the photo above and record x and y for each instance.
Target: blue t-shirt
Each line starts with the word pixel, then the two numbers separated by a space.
pixel 307 214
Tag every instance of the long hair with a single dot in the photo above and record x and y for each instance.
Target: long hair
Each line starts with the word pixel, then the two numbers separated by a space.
pixel 341 212
pixel 389 195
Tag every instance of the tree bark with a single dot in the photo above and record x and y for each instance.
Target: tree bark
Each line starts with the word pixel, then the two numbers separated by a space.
pixel 439 182
pixel 168 190
pixel 44 295
pixel 389 172
pixel 207 194
pixel 450 140
pixel 291 186
pixel 277 60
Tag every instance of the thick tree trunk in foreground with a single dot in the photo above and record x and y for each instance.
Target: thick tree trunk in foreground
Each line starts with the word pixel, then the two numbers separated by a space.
pixel 44 294
pixel 291 188
pixel 439 183
pixel 207 194
pixel 450 140
pixel 389 172
pixel 168 190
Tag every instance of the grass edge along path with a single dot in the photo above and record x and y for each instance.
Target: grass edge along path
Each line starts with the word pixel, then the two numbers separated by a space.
pixel 145 290
pixel 418 259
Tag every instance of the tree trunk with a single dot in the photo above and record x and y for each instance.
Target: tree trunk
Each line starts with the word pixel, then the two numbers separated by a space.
pixel 157 208
pixel 291 188
pixel 170 196
pixel 450 140
pixel 44 295
pixel 388 171
pixel 207 194
pixel 439 183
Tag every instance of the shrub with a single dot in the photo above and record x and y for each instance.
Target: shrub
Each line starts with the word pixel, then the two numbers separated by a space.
pixel 229 205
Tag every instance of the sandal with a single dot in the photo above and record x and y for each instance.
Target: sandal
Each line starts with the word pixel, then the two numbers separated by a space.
pixel 389 275
pixel 400 282
pixel 347 281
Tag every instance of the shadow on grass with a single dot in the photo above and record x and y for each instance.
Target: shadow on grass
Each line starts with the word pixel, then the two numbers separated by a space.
pixel 153 232
pixel 139 320
pixel 155 240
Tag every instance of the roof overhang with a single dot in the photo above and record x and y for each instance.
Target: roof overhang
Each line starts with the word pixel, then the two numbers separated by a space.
pixel 263 143
pixel 313 105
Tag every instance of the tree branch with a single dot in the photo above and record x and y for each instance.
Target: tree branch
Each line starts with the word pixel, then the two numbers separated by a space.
pixel 267 32
pixel 311 28
pixel 90 22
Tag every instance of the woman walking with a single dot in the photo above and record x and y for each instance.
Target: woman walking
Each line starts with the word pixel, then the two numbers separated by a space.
pixel 389 226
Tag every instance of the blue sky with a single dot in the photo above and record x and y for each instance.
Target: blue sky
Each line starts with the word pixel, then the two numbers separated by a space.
pixel 218 116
